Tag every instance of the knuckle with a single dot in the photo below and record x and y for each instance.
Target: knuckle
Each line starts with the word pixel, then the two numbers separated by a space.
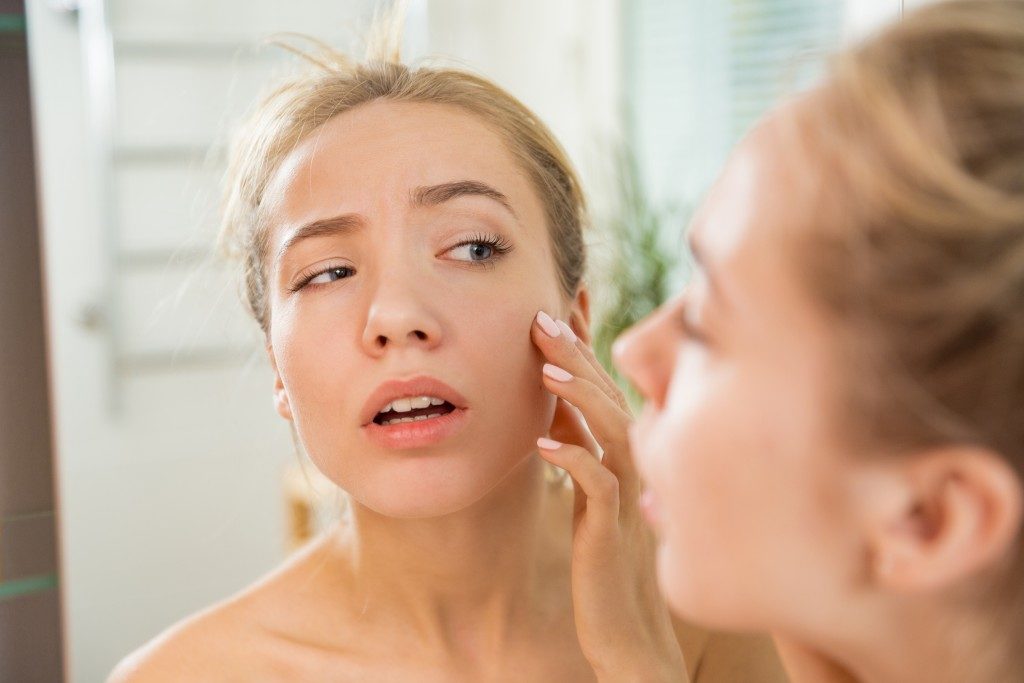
pixel 607 486
pixel 578 457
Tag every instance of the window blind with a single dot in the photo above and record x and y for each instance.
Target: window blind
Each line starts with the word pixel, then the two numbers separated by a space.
pixel 699 73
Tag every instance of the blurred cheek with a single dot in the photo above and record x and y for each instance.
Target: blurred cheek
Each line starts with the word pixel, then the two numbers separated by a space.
pixel 708 468
pixel 748 498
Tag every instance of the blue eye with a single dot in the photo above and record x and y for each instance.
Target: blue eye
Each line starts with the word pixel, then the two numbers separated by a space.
pixel 481 249
pixel 476 251
pixel 324 277
pixel 330 275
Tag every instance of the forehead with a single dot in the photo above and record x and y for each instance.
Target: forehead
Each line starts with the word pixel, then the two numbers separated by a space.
pixel 747 228
pixel 759 202
pixel 373 155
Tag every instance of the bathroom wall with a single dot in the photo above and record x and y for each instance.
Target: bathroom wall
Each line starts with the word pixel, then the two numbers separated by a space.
pixel 30 634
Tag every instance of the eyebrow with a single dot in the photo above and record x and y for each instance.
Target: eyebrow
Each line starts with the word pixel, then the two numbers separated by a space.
pixel 335 225
pixel 430 195
pixel 439 194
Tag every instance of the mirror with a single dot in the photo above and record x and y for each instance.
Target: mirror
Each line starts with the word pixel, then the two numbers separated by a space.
pixel 178 484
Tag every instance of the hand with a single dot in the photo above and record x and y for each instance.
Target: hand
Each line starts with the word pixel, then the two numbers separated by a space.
pixel 622 621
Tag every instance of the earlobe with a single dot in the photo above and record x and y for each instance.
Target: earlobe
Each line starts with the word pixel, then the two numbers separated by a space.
pixel 281 401
pixel 961 516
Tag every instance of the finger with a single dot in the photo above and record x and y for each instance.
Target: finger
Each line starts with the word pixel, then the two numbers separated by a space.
pixel 600 486
pixel 568 426
pixel 606 420
pixel 563 348
pixel 614 390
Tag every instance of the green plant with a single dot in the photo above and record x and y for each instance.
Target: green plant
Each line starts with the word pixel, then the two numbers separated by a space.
pixel 635 274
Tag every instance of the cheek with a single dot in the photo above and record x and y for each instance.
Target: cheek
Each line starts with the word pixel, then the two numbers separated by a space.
pixel 316 353
pixel 747 496
pixel 715 484
pixel 493 336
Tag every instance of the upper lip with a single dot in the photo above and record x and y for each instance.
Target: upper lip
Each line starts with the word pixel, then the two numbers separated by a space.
pixel 422 385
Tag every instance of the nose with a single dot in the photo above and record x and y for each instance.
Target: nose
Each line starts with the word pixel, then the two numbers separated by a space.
pixel 399 317
pixel 645 354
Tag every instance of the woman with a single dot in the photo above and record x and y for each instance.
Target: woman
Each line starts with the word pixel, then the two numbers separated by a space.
pixel 410 238
pixel 834 435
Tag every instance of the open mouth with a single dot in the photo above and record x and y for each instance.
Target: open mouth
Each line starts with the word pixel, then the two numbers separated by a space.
pixel 414 409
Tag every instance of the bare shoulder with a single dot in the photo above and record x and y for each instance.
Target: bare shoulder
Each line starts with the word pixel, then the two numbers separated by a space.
pixel 720 657
pixel 232 640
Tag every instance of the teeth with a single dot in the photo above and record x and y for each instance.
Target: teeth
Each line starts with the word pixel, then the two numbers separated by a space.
pixel 404 405
pixel 400 420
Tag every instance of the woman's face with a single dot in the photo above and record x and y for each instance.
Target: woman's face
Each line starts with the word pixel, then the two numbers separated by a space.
pixel 408 256
pixel 749 492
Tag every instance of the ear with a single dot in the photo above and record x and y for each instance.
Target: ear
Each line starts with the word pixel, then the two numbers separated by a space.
pixel 947 516
pixel 579 314
pixel 281 402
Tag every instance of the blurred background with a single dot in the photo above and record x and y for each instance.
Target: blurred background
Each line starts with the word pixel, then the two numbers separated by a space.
pixel 143 471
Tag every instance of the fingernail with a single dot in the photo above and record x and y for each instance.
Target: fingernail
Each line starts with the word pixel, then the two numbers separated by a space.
pixel 548 444
pixel 556 373
pixel 547 324
pixel 570 335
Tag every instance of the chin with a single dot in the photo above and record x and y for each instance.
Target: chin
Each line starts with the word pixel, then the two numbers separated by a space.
pixel 707 603
pixel 429 487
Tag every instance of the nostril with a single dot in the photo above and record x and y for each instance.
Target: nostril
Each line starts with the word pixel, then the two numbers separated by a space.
pixel 420 335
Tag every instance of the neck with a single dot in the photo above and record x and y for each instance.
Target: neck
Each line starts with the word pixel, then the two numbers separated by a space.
pixel 470 580
pixel 923 643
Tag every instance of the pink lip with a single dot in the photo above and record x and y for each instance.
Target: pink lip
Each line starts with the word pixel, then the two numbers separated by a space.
pixel 413 434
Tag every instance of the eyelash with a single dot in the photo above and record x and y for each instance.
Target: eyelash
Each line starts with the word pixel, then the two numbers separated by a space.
pixel 498 244
pixel 304 281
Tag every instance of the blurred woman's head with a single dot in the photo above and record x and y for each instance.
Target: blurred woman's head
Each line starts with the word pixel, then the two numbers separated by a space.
pixel 834 434
pixel 405 225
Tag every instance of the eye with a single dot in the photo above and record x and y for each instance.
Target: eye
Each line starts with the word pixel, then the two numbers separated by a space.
pixel 481 249
pixel 323 276
pixel 690 331
pixel 688 328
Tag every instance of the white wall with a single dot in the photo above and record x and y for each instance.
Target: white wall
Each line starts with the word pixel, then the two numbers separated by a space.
pixel 562 59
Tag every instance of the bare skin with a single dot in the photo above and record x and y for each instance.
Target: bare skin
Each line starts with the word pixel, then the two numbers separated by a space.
pixel 279 630
pixel 304 622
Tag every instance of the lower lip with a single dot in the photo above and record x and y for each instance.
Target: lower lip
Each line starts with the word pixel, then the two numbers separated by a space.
pixel 417 434
pixel 649 508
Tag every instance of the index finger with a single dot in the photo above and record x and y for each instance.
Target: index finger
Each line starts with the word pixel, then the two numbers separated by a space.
pixel 563 348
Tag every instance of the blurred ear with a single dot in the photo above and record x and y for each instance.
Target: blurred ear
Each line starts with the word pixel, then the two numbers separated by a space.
pixel 946 515
pixel 281 402
pixel 579 314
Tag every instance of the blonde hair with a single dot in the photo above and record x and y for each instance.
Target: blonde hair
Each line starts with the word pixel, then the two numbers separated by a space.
pixel 334 84
pixel 923 127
